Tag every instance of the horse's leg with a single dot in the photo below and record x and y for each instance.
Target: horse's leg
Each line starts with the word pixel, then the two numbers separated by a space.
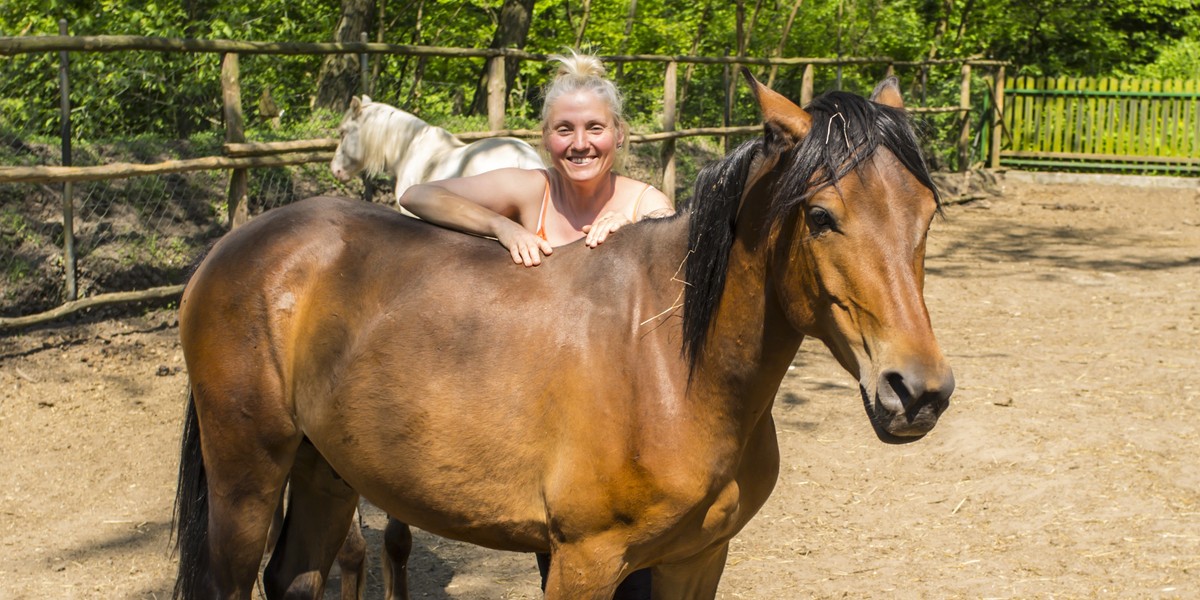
pixel 320 508
pixel 585 571
pixel 397 546
pixel 245 467
pixel 692 579
pixel 352 560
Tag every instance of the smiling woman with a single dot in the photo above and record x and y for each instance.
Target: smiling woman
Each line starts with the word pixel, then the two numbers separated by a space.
pixel 530 212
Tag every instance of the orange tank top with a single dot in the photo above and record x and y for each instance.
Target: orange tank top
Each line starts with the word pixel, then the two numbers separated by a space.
pixel 541 222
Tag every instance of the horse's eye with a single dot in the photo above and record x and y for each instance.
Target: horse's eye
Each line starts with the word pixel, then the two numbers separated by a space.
pixel 820 220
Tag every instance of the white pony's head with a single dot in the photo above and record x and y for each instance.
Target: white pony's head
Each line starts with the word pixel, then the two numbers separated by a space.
pixel 374 138
pixel 349 159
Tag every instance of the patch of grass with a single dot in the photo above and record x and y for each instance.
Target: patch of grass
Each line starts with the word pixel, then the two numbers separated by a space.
pixel 15 229
pixel 17 270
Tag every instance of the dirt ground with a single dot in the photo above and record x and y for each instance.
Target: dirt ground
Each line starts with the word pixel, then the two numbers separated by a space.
pixel 1066 466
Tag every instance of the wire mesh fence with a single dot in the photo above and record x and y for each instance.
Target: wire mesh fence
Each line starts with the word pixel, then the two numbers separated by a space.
pixel 31 224
pixel 132 233
pixel 129 233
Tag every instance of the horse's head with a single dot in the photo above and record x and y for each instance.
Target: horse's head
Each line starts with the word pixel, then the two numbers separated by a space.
pixel 850 207
pixel 350 157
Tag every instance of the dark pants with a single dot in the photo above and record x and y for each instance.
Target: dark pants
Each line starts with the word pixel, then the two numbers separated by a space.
pixel 635 587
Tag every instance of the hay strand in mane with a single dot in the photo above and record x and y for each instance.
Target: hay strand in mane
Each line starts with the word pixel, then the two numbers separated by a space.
pixel 846 131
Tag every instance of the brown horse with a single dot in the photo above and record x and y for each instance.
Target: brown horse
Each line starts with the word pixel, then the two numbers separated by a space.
pixel 611 407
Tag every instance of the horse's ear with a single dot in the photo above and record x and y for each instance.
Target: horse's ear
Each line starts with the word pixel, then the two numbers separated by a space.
pixel 366 99
pixel 784 122
pixel 887 93
pixel 355 106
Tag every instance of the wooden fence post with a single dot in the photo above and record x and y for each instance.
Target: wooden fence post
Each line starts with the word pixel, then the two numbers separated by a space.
pixel 668 147
pixel 496 92
pixel 68 202
pixel 964 113
pixel 997 119
pixel 727 106
pixel 364 68
pixel 365 86
pixel 235 133
pixel 806 85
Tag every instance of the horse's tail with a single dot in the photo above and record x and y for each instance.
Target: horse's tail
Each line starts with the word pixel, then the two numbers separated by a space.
pixel 190 519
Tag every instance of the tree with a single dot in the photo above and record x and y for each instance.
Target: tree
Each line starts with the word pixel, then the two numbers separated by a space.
pixel 512 30
pixel 340 75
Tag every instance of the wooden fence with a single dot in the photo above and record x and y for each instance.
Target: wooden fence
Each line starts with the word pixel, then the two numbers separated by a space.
pixel 239 154
pixel 1102 124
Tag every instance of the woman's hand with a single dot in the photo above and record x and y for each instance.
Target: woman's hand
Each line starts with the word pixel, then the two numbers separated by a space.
pixel 525 247
pixel 606 223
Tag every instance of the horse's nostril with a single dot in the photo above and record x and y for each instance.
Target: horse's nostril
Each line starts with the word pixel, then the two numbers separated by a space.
pixel 915 391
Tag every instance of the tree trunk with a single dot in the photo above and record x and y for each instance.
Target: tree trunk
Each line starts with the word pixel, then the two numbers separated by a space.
pixel 511 32
pixel 414 89
pixel 740 11
pixel 745 44
pixel 962 22
pixel 691 67
pixel 340 73
pixel 380 29
pixel 414 93
pixel 783 38
pixel 583 23
pixel 628 31
pixel 939 32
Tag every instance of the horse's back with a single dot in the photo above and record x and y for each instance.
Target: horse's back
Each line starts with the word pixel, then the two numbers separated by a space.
pixel 488 155
pixel 327 245
pixel 324 278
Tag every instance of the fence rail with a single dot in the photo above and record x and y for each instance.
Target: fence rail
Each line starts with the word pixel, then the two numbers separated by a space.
pixel 1103 124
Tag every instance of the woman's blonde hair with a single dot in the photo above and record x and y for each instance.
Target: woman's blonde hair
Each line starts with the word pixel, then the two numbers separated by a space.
pixel 583 72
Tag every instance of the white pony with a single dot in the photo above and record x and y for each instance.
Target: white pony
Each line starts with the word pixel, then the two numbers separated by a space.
pixel 378 138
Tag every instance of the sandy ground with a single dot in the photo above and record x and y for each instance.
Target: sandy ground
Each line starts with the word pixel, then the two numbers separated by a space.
pixel 1065 468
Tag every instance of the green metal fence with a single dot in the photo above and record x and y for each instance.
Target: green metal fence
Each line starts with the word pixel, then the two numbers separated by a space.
pixel 1103 124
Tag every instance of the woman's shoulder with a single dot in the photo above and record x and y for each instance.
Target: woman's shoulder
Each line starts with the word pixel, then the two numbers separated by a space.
pixel 643 198
pixel 630 188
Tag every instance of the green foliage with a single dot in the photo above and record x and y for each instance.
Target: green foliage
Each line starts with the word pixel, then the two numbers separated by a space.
pixel 1180 60
pixel 127 94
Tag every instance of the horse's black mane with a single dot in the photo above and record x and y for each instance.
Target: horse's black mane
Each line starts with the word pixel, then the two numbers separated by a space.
pixel 846 131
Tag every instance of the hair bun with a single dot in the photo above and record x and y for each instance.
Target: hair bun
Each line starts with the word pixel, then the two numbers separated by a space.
pixel 583 72
pixel 579 65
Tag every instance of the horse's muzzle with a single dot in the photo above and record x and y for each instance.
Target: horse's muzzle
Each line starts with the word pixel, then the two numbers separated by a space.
pixel 906 406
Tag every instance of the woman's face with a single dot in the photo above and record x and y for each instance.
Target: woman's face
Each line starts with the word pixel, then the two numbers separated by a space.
pixel 581 136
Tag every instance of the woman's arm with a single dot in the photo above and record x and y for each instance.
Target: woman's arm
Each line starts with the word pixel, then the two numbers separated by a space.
pixel 494 204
